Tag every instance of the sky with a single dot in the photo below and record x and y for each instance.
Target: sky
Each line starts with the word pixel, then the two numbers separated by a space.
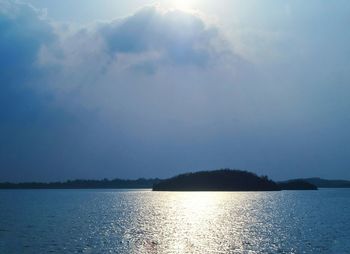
pixel 136 88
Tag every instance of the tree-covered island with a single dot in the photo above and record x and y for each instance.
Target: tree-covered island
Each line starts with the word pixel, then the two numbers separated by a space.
pixel 225 180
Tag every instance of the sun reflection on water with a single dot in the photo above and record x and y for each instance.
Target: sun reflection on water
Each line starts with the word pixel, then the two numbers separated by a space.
pixel 195 213
pixel 193 222
pixel 146 222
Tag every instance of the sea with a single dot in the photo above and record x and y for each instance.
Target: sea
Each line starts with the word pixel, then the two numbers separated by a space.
pixel 142 221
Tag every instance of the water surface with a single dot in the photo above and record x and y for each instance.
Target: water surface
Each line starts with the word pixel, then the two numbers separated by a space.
pixel 142 221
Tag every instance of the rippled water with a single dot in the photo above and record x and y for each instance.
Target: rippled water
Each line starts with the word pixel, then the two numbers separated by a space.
pixel 110 221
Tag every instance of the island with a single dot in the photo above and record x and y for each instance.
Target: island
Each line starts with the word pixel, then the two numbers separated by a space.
pixel 227 180
pixel 217 180
pixel 326 183
pixel 297 184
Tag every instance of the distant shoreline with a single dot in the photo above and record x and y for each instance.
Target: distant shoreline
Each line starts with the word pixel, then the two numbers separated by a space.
pixel 143 183
pixel 85 184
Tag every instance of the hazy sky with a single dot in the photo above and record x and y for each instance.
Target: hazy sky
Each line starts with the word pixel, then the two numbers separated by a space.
pixel 128 89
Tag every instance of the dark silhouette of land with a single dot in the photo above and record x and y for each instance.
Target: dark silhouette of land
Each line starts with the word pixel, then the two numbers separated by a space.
pixel 224 180
pixel 297 184
pixel 85 184
pixel 217 180
pixel 324 183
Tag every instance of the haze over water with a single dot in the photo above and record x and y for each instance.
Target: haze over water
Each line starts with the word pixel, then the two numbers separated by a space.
pixel 142 221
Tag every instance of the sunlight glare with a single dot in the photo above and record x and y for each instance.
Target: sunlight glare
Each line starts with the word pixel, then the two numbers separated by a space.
pixel 185 5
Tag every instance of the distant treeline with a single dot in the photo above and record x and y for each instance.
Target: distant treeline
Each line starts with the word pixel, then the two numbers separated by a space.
pixel 85 184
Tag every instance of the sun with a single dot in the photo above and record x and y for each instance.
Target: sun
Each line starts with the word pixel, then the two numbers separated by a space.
pixel 185 5
pixel 182 4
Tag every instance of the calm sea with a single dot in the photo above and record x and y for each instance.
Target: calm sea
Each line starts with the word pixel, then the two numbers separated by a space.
pixel 142 221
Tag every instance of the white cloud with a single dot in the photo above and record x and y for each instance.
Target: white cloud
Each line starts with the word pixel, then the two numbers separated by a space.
pixel 147 51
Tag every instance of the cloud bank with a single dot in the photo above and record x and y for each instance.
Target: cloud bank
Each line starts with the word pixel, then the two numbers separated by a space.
pixel 153 94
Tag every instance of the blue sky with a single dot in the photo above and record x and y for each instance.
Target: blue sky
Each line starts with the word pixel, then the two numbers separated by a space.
pixel 94 89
